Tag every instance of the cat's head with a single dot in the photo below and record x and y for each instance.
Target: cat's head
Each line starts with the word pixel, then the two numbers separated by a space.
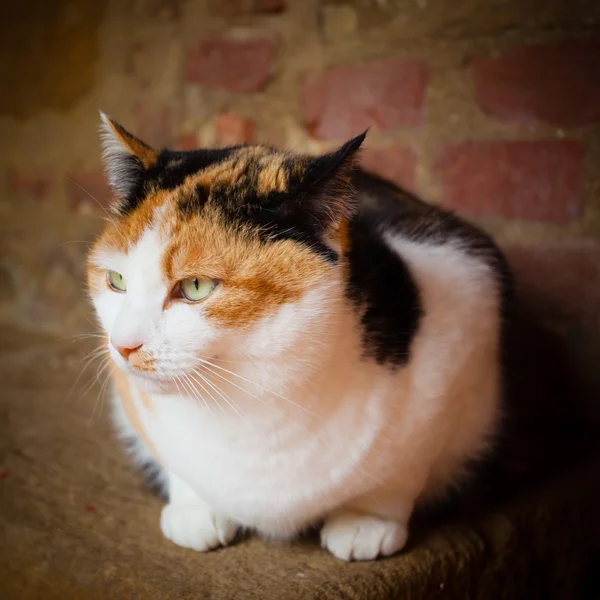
pixel 228 252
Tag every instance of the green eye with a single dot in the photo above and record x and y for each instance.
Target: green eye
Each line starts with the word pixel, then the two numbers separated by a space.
pixel 197 289
pixel 116 281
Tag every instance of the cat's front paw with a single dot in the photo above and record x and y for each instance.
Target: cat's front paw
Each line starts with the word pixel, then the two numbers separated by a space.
pixel 194 525
pixel 356 536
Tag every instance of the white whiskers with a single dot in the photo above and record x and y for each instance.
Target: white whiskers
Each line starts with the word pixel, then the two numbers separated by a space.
pixel 89 359
pixel 103 387
pixel 188 385
pixel 208 364
pixel 227 399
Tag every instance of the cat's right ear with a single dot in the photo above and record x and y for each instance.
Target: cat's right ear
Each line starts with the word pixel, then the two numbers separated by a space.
pixel 126 158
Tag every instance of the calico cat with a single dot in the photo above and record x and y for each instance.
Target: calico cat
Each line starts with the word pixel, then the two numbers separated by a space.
pixel 296 342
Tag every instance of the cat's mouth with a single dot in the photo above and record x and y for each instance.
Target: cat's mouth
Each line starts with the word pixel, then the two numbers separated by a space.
pixel 146 369
pixel 155 382
pixel 162 378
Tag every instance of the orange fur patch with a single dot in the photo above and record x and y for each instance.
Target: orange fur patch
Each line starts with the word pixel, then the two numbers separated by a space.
pixel 255 167
pixel 124 232
pixel 255 277
pixel 140 360
pixel 343 236
pixel 272 177
pixel 146 155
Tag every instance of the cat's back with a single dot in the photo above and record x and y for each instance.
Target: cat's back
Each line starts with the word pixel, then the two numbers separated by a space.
pixel 413 264
pixel 384 207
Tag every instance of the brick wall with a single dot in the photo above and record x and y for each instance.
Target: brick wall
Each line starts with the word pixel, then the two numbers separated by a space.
pixel 491 108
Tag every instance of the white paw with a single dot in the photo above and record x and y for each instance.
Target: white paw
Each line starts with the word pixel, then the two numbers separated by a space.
pixel 193 525
pixel 355 536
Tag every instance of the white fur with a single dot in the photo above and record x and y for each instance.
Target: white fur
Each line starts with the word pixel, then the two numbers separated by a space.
pixel 190 522
pixel 307 429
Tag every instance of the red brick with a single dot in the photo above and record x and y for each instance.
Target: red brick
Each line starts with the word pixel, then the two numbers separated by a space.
pixel 231 8
pixel 88 187
pixel 396 163
pixel 232 129
pixel 38 185
pixel 187 141
pixel 559 281
pixel 531 180
pixel 240 66
pixel 345 100
pixel 555 83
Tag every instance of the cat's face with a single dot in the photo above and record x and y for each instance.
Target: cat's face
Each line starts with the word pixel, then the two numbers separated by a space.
pixel 215 253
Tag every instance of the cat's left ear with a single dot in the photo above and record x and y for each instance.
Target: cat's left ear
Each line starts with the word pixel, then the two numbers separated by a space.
pixel 327 191
pixel 126 157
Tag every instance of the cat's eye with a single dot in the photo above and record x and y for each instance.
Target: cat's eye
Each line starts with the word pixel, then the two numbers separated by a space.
pixel 197 289
pixel 116 281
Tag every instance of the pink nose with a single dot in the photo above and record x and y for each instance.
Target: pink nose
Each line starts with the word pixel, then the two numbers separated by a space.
pixel 125 351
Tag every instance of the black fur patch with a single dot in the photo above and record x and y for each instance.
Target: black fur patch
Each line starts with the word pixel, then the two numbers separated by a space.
pixel 395 209
pixel 273 228
pixel 170 171
pixel 380 283
pixel 316 190
pixel 383 290
pixel 194 203
pixel 316 193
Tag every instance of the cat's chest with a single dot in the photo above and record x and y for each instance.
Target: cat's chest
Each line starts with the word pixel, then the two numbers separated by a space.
pixel 260 469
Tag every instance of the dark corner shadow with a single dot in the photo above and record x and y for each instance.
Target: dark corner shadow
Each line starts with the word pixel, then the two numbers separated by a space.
pixel 551 424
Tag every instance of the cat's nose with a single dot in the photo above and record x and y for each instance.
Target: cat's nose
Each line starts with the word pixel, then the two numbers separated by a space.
pixel 125 351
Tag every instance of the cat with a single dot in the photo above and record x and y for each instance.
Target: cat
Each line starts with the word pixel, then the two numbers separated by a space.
pixel 296 342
